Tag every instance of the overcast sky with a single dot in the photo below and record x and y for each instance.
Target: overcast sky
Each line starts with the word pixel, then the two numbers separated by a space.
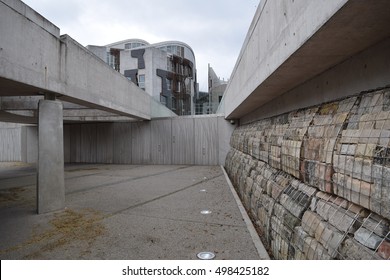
pixel 215 29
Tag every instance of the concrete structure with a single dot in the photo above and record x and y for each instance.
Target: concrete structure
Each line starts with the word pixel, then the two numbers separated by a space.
pixel 56 67
pixel 307 39
pixel 65 68
pixel 166 70
pixel 310 91
pixel 217 88
pixel 208 102
pixel 50 177
pixel 126 212
pixel 202 103
pixel 200 140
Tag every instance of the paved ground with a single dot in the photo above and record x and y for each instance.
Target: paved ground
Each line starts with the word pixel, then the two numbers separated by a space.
pixel 124 212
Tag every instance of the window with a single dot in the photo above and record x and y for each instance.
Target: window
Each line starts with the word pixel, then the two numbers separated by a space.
pixel 163 99
pixel 178 87
pixel 169 84
pixel 141 81
pixel 169 64
pixel 174 105
pixel 133 45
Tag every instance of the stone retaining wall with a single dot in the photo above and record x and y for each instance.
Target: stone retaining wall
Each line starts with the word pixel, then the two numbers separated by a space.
pixel 317 181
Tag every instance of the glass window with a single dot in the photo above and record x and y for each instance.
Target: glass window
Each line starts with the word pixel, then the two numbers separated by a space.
pixel 178 87
pixel 169 64
pixel 174 103
pixel 169 84
pixel 141 81
pixel 163 99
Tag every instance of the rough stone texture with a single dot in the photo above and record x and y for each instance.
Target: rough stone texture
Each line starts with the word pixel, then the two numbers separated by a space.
pixel 367 238
pixel 317 181
pixel 384 250
pixel 353 250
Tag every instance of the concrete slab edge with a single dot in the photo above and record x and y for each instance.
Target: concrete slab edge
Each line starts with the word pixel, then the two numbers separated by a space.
pixel 252 231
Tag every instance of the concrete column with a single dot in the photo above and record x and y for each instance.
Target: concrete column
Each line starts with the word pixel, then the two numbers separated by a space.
pixel 50 177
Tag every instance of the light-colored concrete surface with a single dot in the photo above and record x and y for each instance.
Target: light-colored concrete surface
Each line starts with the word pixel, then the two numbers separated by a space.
pixel 64 67
pixel 291 42
pixel 50 182
pixel 125 212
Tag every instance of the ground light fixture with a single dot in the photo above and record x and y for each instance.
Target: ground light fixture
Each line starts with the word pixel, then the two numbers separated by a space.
pixel 206 255
pixel 205 212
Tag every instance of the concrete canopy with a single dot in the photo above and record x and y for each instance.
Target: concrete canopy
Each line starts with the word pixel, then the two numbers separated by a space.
pixel 35 60
pixel 305 40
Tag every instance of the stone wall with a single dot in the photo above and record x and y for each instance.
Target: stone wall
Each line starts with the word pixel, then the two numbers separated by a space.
pixel 317 181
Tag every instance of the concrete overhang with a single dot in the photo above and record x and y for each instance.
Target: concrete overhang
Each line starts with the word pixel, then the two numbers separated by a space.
pixel 24 109
pixel 35 60
pixel 353 26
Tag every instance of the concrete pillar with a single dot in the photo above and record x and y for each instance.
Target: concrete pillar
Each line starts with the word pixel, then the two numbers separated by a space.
pixel 50 177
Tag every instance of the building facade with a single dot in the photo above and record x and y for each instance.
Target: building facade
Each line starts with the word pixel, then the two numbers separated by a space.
pixel 217 88
pixel 166 70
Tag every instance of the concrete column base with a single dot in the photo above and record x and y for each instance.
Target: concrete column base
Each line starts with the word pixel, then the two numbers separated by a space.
pixel 50 168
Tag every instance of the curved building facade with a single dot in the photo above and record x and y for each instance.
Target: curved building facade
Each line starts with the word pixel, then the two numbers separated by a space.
pixel 166 70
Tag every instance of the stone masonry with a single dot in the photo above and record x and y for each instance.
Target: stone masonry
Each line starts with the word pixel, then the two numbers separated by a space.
pixel 316 181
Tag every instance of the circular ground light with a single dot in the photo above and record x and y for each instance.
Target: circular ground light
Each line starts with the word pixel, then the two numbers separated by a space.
pixel 205 212
pixel 206 255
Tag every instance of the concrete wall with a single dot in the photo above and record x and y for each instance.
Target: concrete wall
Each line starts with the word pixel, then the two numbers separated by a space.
pixel 202 140
pixel 316 180
pixel 11 142
pixel 179 140
pixel 310 91
pixel 292 42
pixel 18 143
pixel 367 70
pixel 278 29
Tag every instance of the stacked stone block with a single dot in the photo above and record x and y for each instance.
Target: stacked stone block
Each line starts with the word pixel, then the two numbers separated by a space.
pixel 316 182
pixel 288 210
pixel 293 136
pixel 362 157
pixel 320 141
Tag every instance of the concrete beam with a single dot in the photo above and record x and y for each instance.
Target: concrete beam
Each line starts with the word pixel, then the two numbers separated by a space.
pixel 15 106
pixel 58 64
pixel 290 42
pixel 50 178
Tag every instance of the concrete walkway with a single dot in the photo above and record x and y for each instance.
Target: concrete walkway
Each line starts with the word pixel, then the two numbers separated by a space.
pixel 125 212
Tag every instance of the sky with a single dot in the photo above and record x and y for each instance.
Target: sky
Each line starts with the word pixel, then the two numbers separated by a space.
pixel 214 29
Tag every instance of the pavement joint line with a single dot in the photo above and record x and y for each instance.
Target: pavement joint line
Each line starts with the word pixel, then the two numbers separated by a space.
pixel 98 173
pixel 80 176
pixel 252 231
pixel 187 221
pixel 163 196
pixel 20 176
pixel 123 181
